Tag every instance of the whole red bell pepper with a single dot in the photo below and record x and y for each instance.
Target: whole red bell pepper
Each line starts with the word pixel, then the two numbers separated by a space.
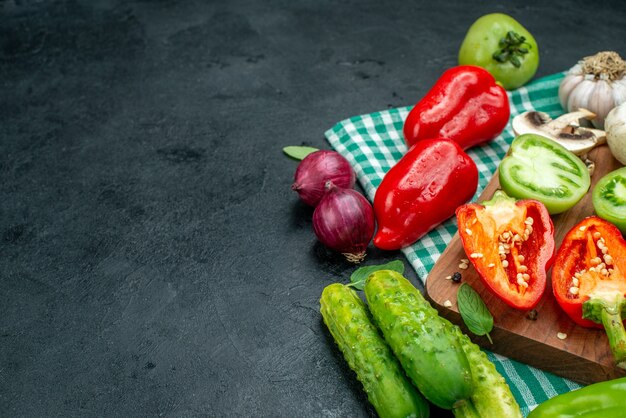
pixel 589 279
pixel 511 245
pixel 465 105
pixel 422 190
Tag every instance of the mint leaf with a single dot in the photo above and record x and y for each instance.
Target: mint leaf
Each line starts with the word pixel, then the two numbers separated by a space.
pixel 357 279
pixel 298 152
pixel 474 312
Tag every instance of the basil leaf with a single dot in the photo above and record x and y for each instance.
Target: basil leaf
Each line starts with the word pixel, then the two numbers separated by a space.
pixel 474 311
pixel 357 279
pixel 298 152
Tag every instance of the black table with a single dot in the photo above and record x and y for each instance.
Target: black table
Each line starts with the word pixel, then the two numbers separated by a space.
pixel 153 259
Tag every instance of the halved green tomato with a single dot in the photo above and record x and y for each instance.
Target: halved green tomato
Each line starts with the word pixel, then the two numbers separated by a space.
pixel 609 198
pixel 539 168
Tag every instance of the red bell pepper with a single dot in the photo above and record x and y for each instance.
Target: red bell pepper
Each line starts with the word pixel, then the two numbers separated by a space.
pixel 511 245
pixel 422 190
pixel 465 105
pixel 589 279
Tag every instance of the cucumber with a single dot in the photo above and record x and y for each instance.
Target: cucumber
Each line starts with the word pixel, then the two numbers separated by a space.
pixel 387 387
pixel 492 396
pixel 425 343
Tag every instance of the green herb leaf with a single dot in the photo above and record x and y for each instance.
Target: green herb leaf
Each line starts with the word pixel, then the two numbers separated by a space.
pixel 357 280
pixel 474 311
pixel 298 152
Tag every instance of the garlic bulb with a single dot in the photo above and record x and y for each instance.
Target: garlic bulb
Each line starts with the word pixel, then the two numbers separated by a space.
pixel 596 83
pixel 616 132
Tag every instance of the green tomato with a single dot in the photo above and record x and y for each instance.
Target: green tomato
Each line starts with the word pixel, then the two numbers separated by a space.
pixel 541 169
pixel 500 45
pixel 609 198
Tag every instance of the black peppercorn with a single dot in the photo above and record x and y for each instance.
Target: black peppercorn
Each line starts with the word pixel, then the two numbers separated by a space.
pixel 456 277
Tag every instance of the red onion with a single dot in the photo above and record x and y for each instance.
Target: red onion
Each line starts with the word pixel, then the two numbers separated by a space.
pixel 344 221
pixel 316 169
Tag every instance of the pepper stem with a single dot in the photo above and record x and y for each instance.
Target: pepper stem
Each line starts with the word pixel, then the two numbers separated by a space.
pixel 512 47
pixel 614 327
pixel 498 198
pixel 605 307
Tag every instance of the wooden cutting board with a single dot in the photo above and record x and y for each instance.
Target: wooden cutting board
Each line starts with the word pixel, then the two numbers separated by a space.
pixel 583 356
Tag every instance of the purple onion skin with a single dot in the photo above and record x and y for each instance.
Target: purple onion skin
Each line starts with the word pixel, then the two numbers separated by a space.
pixel 344 221
pixel 316 169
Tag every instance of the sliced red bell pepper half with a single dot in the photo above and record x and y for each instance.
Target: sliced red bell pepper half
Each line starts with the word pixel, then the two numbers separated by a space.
pixel 511 245
pixel 589 280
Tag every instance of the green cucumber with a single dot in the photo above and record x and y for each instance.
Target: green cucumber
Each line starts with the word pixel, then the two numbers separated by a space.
pixel 425 343
pixel 492 396
pixel 368 355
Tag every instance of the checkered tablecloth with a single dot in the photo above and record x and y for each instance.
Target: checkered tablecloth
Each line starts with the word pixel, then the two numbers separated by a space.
pixel 373 143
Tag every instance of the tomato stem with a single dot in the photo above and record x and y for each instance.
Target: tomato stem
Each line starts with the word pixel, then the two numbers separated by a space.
pixel 512 47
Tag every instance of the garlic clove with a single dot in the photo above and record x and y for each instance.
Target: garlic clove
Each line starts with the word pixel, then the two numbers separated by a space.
pixel 579 97
pixel 601 100
pixel 567 85
pixel 619 91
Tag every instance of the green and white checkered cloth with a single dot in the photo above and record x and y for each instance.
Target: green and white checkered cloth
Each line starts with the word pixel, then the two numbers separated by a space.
pixel 373 143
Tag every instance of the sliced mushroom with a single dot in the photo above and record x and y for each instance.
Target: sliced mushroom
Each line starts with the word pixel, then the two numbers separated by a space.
pixel 565 129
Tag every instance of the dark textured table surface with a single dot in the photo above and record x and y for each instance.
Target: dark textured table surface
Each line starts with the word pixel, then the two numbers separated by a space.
pixel 153 259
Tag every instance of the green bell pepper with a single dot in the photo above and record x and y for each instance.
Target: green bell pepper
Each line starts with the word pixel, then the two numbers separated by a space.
pixel 599 400
pixel 501 45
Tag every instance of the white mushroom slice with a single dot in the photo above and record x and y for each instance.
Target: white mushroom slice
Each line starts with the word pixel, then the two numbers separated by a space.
pixel 565 129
